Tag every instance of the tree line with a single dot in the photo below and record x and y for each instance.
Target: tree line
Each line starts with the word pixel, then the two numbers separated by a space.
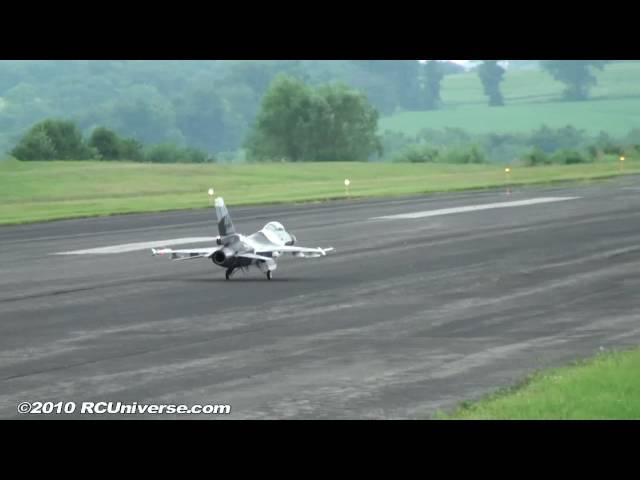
pixel 545 145
pixel 212 105
pixel 295 121
pixel 57 139
pixel 577 75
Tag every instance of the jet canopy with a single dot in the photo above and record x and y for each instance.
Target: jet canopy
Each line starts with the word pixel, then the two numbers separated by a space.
pixel 274 227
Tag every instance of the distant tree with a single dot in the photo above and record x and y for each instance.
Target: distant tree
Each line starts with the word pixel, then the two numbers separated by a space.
pixel 35 145
pixel 378 90
pixel 447 137
pixel 110 146
pixel 285 104
pixel 174 101
pixel 394 141
pixel 258 74
pixel 194 155
pixel 407 81
pixel 633 137
pixel 347 124
pixel 536 156
pixel 170 153
pixel 131 149
pixel 146 121
pixel 242 102
pixel 163 153
pixel 202 117
pixel 299 123
pixel 144 113
pixel 417 153
pixel 390 84
pixel 106 142
pixel 491 74
pixel 433 74
pixel 53 140
pixel 575 74
pixel 606 144
pixel 550 140
pixel 464 154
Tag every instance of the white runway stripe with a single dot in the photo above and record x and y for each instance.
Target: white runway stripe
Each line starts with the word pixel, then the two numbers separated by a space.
pixel 132 247
pixel 473 208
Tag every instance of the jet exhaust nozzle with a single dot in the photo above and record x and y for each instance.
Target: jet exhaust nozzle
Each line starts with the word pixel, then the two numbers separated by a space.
pixel 223 257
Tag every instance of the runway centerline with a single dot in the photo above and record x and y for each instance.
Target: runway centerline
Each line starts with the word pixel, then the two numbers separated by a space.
pixel 133 247
pixel 473 208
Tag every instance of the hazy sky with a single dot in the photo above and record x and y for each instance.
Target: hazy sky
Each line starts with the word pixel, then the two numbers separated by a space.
pixel 460 62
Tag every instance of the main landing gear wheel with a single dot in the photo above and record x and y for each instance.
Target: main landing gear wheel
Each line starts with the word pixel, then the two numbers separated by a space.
pixel 228 273
pixel 269 275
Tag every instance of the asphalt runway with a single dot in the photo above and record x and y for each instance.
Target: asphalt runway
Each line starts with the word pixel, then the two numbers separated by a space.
pixel 407 317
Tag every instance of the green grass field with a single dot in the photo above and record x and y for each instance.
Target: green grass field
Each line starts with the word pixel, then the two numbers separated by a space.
pixel 617 117
pixel 36 191
pixel 604 388
pixel 532 98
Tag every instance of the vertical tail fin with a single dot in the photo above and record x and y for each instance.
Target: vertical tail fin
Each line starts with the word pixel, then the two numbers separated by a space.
pixel 225 226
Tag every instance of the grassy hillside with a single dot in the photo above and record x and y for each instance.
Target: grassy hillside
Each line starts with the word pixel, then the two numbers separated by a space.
pixel 529 86
pixel 33 191
pixel 615 117
pixel 532 98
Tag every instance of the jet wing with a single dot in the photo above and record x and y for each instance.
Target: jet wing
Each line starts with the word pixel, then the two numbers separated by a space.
pixel 185 254
pixel 296 251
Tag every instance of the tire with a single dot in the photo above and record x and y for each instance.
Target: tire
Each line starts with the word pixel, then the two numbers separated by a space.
pixel 269 275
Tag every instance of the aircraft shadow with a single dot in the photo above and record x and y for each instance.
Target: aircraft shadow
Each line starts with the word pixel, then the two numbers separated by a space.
pixel 245 280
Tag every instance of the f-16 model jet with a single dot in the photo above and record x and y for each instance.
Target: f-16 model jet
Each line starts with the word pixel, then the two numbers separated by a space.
pixel 235 251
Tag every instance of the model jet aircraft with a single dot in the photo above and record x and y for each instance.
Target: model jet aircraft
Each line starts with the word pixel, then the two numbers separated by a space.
pixel 235 251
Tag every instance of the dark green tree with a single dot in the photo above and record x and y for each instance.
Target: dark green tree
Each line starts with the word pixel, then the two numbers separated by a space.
pixel 299 123
pixel 110 146
pixel 131 149
pixel 171 153
pixel 433 74
pixel 35 145
pixel 577 75
pixel 491 75
pixel 106 142
pixel 53 139
pixel 390 84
